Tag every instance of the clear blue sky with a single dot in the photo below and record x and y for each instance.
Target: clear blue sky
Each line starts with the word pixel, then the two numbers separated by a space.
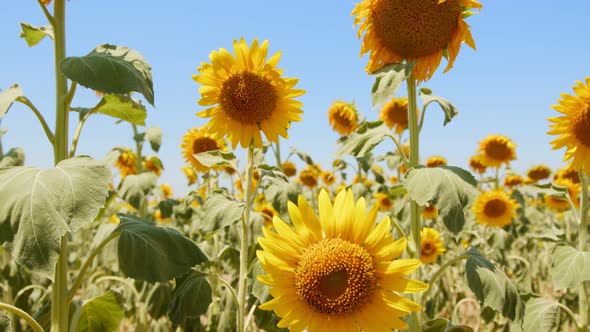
pixel 528 53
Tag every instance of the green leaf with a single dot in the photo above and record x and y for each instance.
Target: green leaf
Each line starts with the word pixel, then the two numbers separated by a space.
pixel 154 135
pixel 445 105
pixel 436 325
pixel 33 35
pixel 167 207
pixel 387 80
pixel 492 287
pixel 570 266
pixel 111 69
pixel 101 314
pixel 546 189
pixel 364 139
pixel 8 96
pixel 160 300
pixel 273 174
pixel 122 107
pixel 5 322
pixel 540 315
pixel 14 157
pixel 134 188
pixel 259 290
pixel 38 207
pixel 221 209
pixel 217 158
pixel 450 188
pixel 151 253
pixel 191 298
pixel 303 156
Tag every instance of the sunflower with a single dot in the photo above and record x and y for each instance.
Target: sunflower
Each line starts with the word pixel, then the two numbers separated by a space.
pixel 435 161
pixel 494 208
pixel 289 168
pixel 538 173
pixel 419 31
pixel 166 190
pixel 573 127
pixel 158 217
pixel 337 271
pixel 328 178
pixel 567 173
pixel 190 174
pixel 267 211
pixel 383 201
pixel 197 141
pixel 343 117
pixel 562 204
pixel 430 212
pixel 496 150
pixel 247 94
pixel 395 114
pixel 309 177
pixel 477 165
pixel 153 164
pixel 126 163
pixel 431 245
pixel 393 179
pixel 513 180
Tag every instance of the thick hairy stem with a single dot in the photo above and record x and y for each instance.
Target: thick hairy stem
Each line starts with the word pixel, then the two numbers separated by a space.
pixel 583 246
pixel 30 320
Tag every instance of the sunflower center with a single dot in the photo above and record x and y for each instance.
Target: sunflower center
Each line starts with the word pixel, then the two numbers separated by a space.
pixel 415 28
pixel 204 144
pixel 427 248
pixel 248 98
pixel 582 126
pixel 498 150
pixel 495 208
pixel 335 276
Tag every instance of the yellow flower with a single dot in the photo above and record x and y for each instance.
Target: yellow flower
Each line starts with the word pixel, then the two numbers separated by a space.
pixel 247 94
pixel 567 172
pixel 435 161
pixel 383 201
pixel 573 127
pixel 328 178
pixel 337 271
pixel 513 180
pixel 343 117
pixel 267 212
pixel 494 208
pixel 413 30
pixel 431 245
pixel 166 190
pixel 562 204
pixel 197 141
pixel 309 177
pixel 477 165
pixel 153 164
pixel 496 150
pixel 190 174
pixel 114 219
pixel 289 168
pixel 430 212
pixel 538 173
pixel 158 217
pixel 393 179
pixel 46 2
pixel 127 163
pixel 395 114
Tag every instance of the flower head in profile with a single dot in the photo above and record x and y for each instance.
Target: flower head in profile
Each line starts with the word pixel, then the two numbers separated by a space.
pixel 538 173
pixel 477 165
pixel 190 174
pixel 494 208
pixel 338 270
pixel 430 211
pixel 343 117
pixel 431 245
pixel 197 141
pixel 289 168
pixel 126 163
pixel 435 161
pixel 247 94
pixel 395 114
pixel 153 164
pixel 573 126
pixel 513 180
pixel 419 31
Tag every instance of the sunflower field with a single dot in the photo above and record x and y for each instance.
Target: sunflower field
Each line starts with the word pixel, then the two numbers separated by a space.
pixel 266 240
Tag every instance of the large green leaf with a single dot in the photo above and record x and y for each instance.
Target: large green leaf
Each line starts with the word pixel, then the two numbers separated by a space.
pixel 492 287
pixel 101 314
pixel 540 315
pixel 450 188
pixel 38 207
pixel 111 69
pixel 154 135
pixel 387 80
pixel 122 107
pixel 221 209
pixel 191 298
pixel 33 35
pixel 8 96
pixel 134 188
pixel 443 325
pixel 570 266
pixel 151 253
pixel 14 157
pixel 217 158
pixel 447 107
pixel 364 139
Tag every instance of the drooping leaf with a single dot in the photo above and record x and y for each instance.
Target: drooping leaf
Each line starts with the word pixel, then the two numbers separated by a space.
pixel 272 174
pixel 221 209
pixel 122 107
pixel 546 189
pixel 450 188
pixel 151 253
pixel 364 139
pixel 111 69
pixel 492 287
pixel 134 188
pixel 101 314
pixel 447 107
pixel 5 322
pixel 443 325
pixel 303 156
pixel 14 157
pixel 167 207
pixel 38 207
pixel 160 300
pixel 191 298
pixel 217 158
pixel 387 80
pixel 570 266
pixel 8 96
pixel 33 35
pixel 154 135
pixel 540 315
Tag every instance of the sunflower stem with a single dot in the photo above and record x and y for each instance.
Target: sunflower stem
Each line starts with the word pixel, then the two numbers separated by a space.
pixel 416 317
pixel 278 152
pixel 583 246
pixel 243 280
pixel 20 313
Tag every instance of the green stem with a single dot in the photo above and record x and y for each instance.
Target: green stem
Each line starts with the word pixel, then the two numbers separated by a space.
pixel 50 18
pixel 26 289
pixel 497 177
pixel 1 150
pixel 405 160
pixel 48 133
pixel 138 148
pixel 583 246
pixel 230 288
pixel 278 152
pixel 440 271
pixel 571 314
pixel 78 133
pixel 243 278
pixel 30 320
pixel 122 281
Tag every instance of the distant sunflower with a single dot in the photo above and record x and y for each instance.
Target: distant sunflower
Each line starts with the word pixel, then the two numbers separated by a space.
pixel 328 178
pixel 383 201
pixel 395 114
pixel 562 204
pixel 289 168
pixel 431 245
pixel 513 180
pixel 393 179
pixel 153 164
pixel 430 212
pixel 573 127
pixel 197 141
pixel 309 177
pixel 538 173
pixel 496 150
pixel 435 161
pixel 477 165
pixel 494 208
pixel 159 217
pixel 247 94
pixel 343 117
pixel 267 211
pixel 337 271
pixel 190 174
pixel 126 163
pixel 166 190
pixel 422 31
pixel 567 172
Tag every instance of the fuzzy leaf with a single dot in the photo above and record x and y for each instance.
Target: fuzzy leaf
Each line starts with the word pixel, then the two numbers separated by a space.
pixel 122 107
pixel 364 139
pixel 217 158
pixel 570 266
pixel 154 135
pixel 447 107
pixel 33 35
pixel 387 80
pixel 191 298
pixel 134 188
pixel 540 315
pixel 221 210
pixel 8 96
pixel 101 314
pixel 14 157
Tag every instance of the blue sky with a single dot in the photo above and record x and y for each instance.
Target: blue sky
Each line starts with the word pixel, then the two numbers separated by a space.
pixel 528 53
